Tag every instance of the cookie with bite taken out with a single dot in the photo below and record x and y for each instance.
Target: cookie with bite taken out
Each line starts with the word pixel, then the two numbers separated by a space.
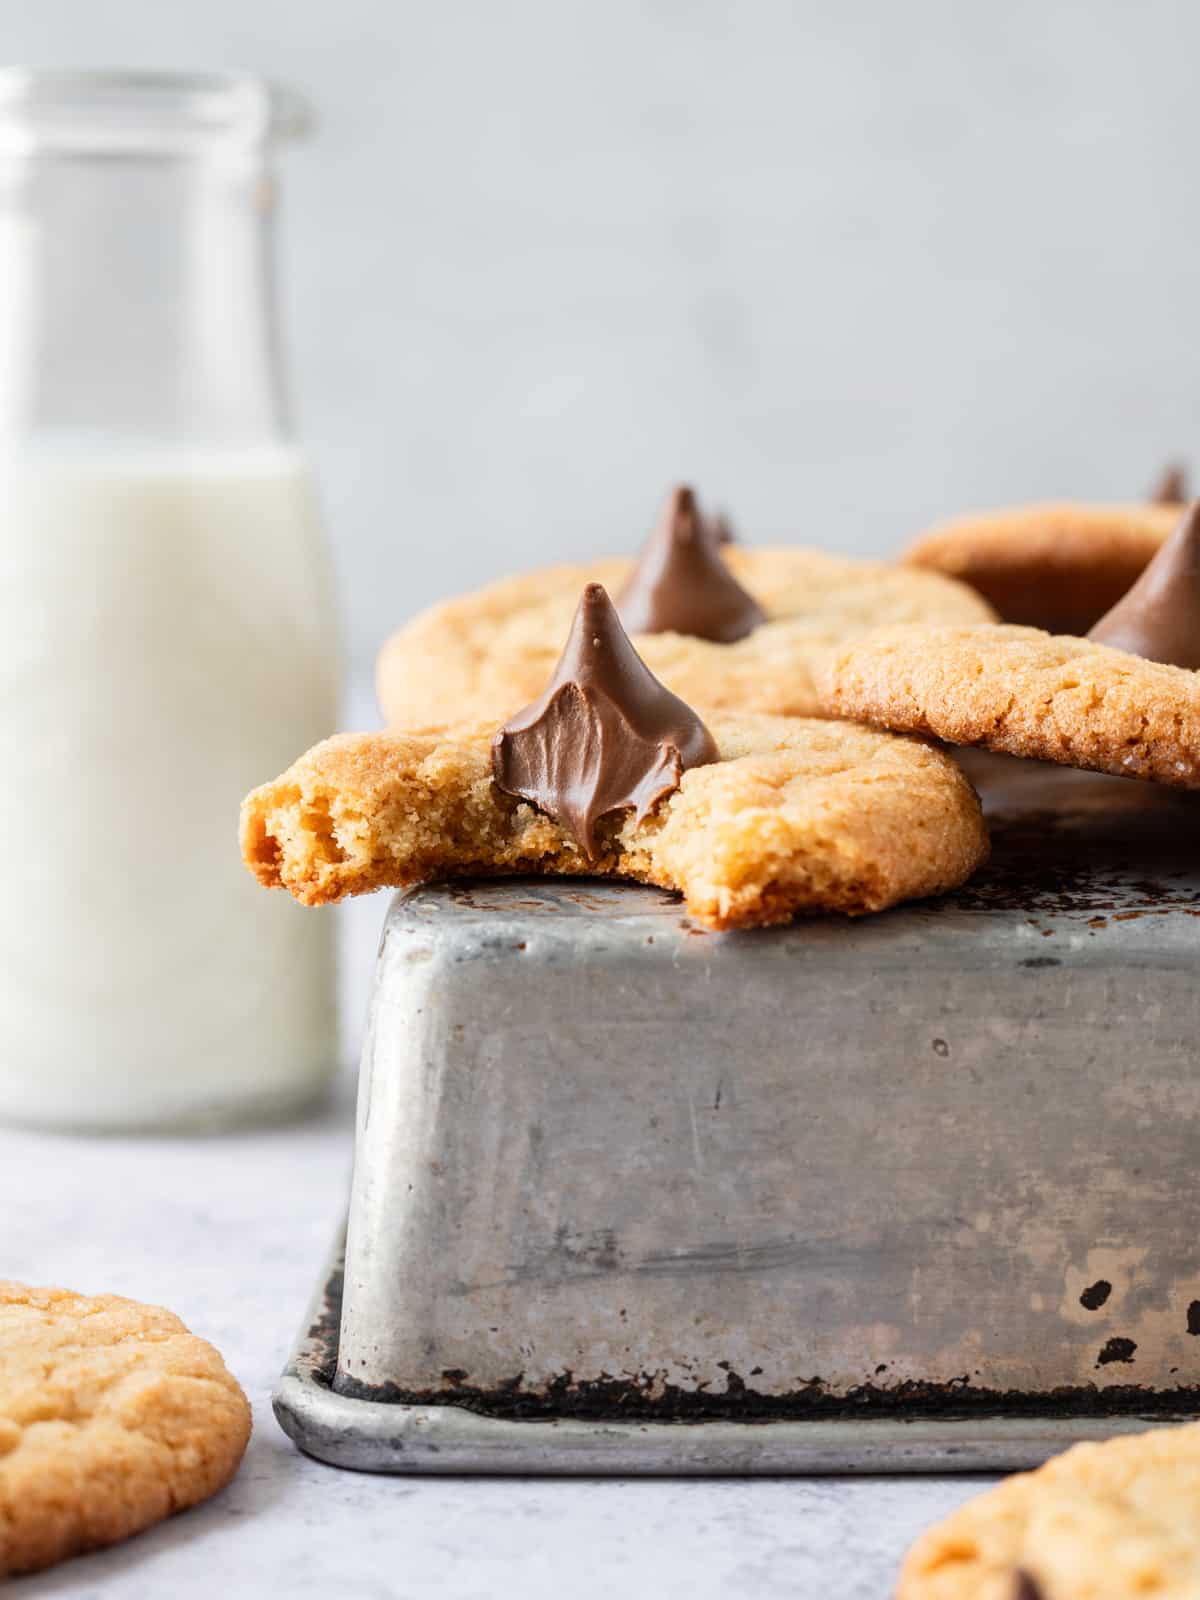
pixel 751 818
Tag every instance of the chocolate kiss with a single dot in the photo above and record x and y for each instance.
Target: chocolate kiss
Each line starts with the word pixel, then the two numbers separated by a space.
pixel 681 585
pixel 1159 618
pixel 1171 489
pixel 720 529
pixel 605 735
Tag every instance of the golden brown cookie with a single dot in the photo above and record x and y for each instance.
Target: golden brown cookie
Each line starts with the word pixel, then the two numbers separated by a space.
pixel 112 1416
pixel 1112 1521
pixel 482 655
pixel 1058 566
pixel 795 816
pixel 1025 693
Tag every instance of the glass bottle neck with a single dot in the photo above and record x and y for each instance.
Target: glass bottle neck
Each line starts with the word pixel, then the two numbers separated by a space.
pixel 137 301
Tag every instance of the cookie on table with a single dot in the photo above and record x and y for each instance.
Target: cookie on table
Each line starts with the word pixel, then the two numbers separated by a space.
pixel 1111 1521
pixel 726 627
pixel 1058 566
pixel 751 818
pixel 112 1416
pixel 1125 701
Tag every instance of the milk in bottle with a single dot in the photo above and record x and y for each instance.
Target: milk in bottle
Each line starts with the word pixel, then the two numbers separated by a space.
pixel 166 626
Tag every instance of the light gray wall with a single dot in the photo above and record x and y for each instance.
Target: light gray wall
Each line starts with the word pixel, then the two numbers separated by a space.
pixel 849 266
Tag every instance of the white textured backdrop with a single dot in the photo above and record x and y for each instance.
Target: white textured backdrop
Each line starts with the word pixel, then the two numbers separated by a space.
pixel 849 266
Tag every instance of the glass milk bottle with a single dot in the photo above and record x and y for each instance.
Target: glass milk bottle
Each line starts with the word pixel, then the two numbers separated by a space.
pixel 166 629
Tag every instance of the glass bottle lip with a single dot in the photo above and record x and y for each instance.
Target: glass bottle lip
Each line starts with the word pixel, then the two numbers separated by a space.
pixel 101 109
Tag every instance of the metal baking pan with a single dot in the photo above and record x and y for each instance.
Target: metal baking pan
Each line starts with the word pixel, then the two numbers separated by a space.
pixel 908 1193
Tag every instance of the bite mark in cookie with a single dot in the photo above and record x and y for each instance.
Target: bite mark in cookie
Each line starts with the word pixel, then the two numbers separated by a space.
pixel 796 815
pixel 609 773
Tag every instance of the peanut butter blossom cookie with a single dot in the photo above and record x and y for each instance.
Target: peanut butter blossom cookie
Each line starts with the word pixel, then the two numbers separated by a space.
pixel 1111 1521
pixel 726 627
pixel 1124 701
pixel 112 1416
pixel 1056 566
pixel 751 818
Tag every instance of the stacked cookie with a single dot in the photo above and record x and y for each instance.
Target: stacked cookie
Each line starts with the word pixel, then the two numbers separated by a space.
pixel 734 724
pixel 674 743
pixel 1125 700
pixel 751 817
pixel 727 628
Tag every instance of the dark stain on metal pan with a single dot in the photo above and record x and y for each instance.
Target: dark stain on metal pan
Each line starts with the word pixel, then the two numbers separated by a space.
pixel 1116 1350
pixel 1094 1296
pixel 1108 864
pixel 648 1399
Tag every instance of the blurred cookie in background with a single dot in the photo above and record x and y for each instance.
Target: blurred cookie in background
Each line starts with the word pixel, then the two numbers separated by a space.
pixel 1058 566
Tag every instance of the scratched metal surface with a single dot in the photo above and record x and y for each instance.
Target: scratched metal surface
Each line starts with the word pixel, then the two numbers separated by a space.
pixel 385 1435
pixel 930 1163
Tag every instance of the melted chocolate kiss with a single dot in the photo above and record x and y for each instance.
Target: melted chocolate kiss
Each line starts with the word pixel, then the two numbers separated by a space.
pixel 1159 618
pixel 1025 1587
pixel 605 735
pixel 681 585
pixel 1171 489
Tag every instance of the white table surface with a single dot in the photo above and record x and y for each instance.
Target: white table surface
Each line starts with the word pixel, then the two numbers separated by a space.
pixel 230 1232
